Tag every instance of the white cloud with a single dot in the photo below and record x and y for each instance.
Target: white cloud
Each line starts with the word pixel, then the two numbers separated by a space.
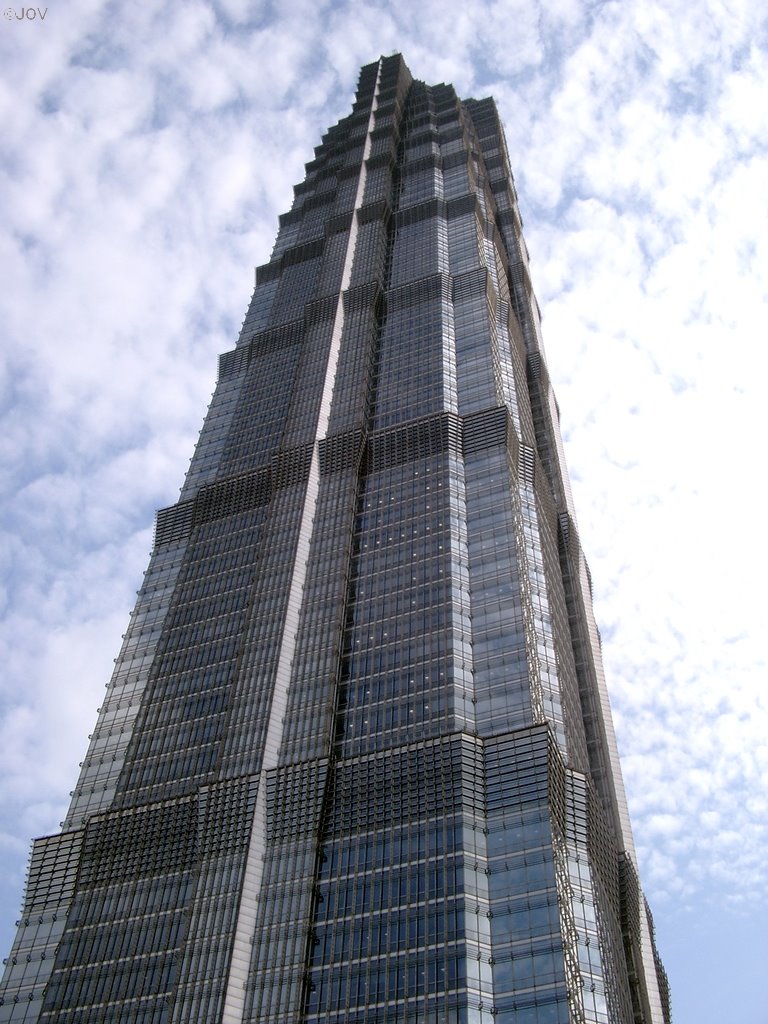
pixel 653 288
pixel 146 153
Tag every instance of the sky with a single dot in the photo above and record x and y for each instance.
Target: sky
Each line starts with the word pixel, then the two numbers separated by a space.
pixel 146 153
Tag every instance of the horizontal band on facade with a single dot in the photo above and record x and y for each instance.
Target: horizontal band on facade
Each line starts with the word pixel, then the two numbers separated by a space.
pixel 349 450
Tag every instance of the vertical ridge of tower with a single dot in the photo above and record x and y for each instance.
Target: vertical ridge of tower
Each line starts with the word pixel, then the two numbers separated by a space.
pixel 356 764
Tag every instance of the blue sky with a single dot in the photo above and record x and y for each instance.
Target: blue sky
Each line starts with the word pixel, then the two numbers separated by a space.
pixel 145 156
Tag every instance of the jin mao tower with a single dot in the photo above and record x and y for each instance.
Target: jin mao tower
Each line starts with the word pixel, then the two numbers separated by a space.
pixel 356 761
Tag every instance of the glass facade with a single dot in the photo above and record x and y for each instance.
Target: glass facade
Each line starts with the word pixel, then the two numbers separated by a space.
pixel 356 761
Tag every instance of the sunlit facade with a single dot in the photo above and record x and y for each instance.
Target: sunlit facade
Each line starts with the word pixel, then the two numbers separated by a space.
pixel 356 761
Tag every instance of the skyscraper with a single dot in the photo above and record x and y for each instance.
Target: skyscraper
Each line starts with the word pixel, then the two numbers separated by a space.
pixel 356 760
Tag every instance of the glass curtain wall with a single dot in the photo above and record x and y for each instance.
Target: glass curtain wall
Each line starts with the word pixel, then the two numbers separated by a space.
pixel 356 761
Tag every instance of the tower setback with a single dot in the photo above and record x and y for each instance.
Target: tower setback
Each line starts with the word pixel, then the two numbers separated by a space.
pixel 356 762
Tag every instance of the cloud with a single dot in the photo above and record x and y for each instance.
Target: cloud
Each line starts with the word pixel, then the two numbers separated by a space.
pixel 146 154
pixel 658 212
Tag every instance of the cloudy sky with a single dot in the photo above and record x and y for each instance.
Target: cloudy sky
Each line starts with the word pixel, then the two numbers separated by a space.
pixel 146 152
